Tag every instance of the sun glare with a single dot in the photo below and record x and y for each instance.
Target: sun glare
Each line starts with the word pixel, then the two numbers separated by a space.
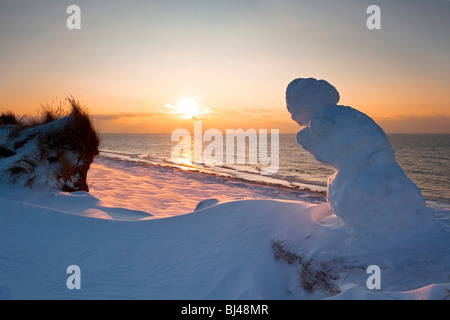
pixel 187 109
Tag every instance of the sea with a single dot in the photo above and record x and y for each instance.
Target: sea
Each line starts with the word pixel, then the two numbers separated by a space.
pixel 425 158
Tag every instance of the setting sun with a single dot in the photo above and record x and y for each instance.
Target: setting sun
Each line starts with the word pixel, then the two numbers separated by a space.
pixel 187 109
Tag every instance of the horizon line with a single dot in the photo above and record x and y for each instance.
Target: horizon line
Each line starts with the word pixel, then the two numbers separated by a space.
pixel 409 133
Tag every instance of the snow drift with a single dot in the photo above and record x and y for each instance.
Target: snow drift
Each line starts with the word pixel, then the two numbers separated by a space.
pixel 250 249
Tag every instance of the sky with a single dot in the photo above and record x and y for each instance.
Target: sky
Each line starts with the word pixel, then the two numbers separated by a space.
pixel 136 65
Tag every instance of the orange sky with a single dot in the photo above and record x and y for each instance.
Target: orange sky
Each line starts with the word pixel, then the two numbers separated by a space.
pixel 234 57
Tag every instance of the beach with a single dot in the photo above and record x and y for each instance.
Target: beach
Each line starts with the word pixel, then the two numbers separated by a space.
pixel 166 191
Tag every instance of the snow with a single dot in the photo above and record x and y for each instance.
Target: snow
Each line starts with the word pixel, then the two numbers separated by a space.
pixel 369 190
pixel 305 96
pixel 223 251
pixel 206 204
pixel 151 188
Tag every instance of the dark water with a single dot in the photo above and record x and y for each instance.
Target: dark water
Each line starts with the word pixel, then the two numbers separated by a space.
pixel 424 158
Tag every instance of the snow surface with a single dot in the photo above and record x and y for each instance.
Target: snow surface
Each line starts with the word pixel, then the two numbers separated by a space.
pixel 224 251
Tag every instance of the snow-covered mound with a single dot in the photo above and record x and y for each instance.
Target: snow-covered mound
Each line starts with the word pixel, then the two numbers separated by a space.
pixel 369 192
pixel 250 249
pixel 54 152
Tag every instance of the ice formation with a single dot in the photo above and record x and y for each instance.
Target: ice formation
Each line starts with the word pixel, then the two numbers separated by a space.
pixel 369 190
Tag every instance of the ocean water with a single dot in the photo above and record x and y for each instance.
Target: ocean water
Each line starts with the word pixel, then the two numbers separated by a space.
pixel 424 158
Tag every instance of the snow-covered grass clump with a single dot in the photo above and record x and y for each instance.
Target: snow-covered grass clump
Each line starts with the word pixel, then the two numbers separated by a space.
pixel 54 151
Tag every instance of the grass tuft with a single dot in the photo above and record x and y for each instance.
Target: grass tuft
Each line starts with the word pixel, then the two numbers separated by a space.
pixel 8 118
pixel 321 277
pixel 280 253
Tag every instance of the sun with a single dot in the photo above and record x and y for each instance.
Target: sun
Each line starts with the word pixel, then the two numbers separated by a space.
pixel 187 109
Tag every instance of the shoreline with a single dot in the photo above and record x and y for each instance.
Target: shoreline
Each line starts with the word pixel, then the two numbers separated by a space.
pixel 167 190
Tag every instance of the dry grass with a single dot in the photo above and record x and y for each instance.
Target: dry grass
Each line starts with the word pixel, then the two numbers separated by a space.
pixel 322 278
pixel 80 138
pixel 49 113
pixel 447 297
pixel 8 118
pixel 280 253
pixel 5 153
pixel 312 277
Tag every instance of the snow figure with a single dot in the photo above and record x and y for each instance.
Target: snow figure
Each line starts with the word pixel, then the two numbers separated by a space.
pixel 369 191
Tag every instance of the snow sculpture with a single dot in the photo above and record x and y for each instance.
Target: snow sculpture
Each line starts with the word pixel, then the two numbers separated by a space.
pixel 369 191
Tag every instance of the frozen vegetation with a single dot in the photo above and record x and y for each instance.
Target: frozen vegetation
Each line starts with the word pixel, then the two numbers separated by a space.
pixel 53 151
